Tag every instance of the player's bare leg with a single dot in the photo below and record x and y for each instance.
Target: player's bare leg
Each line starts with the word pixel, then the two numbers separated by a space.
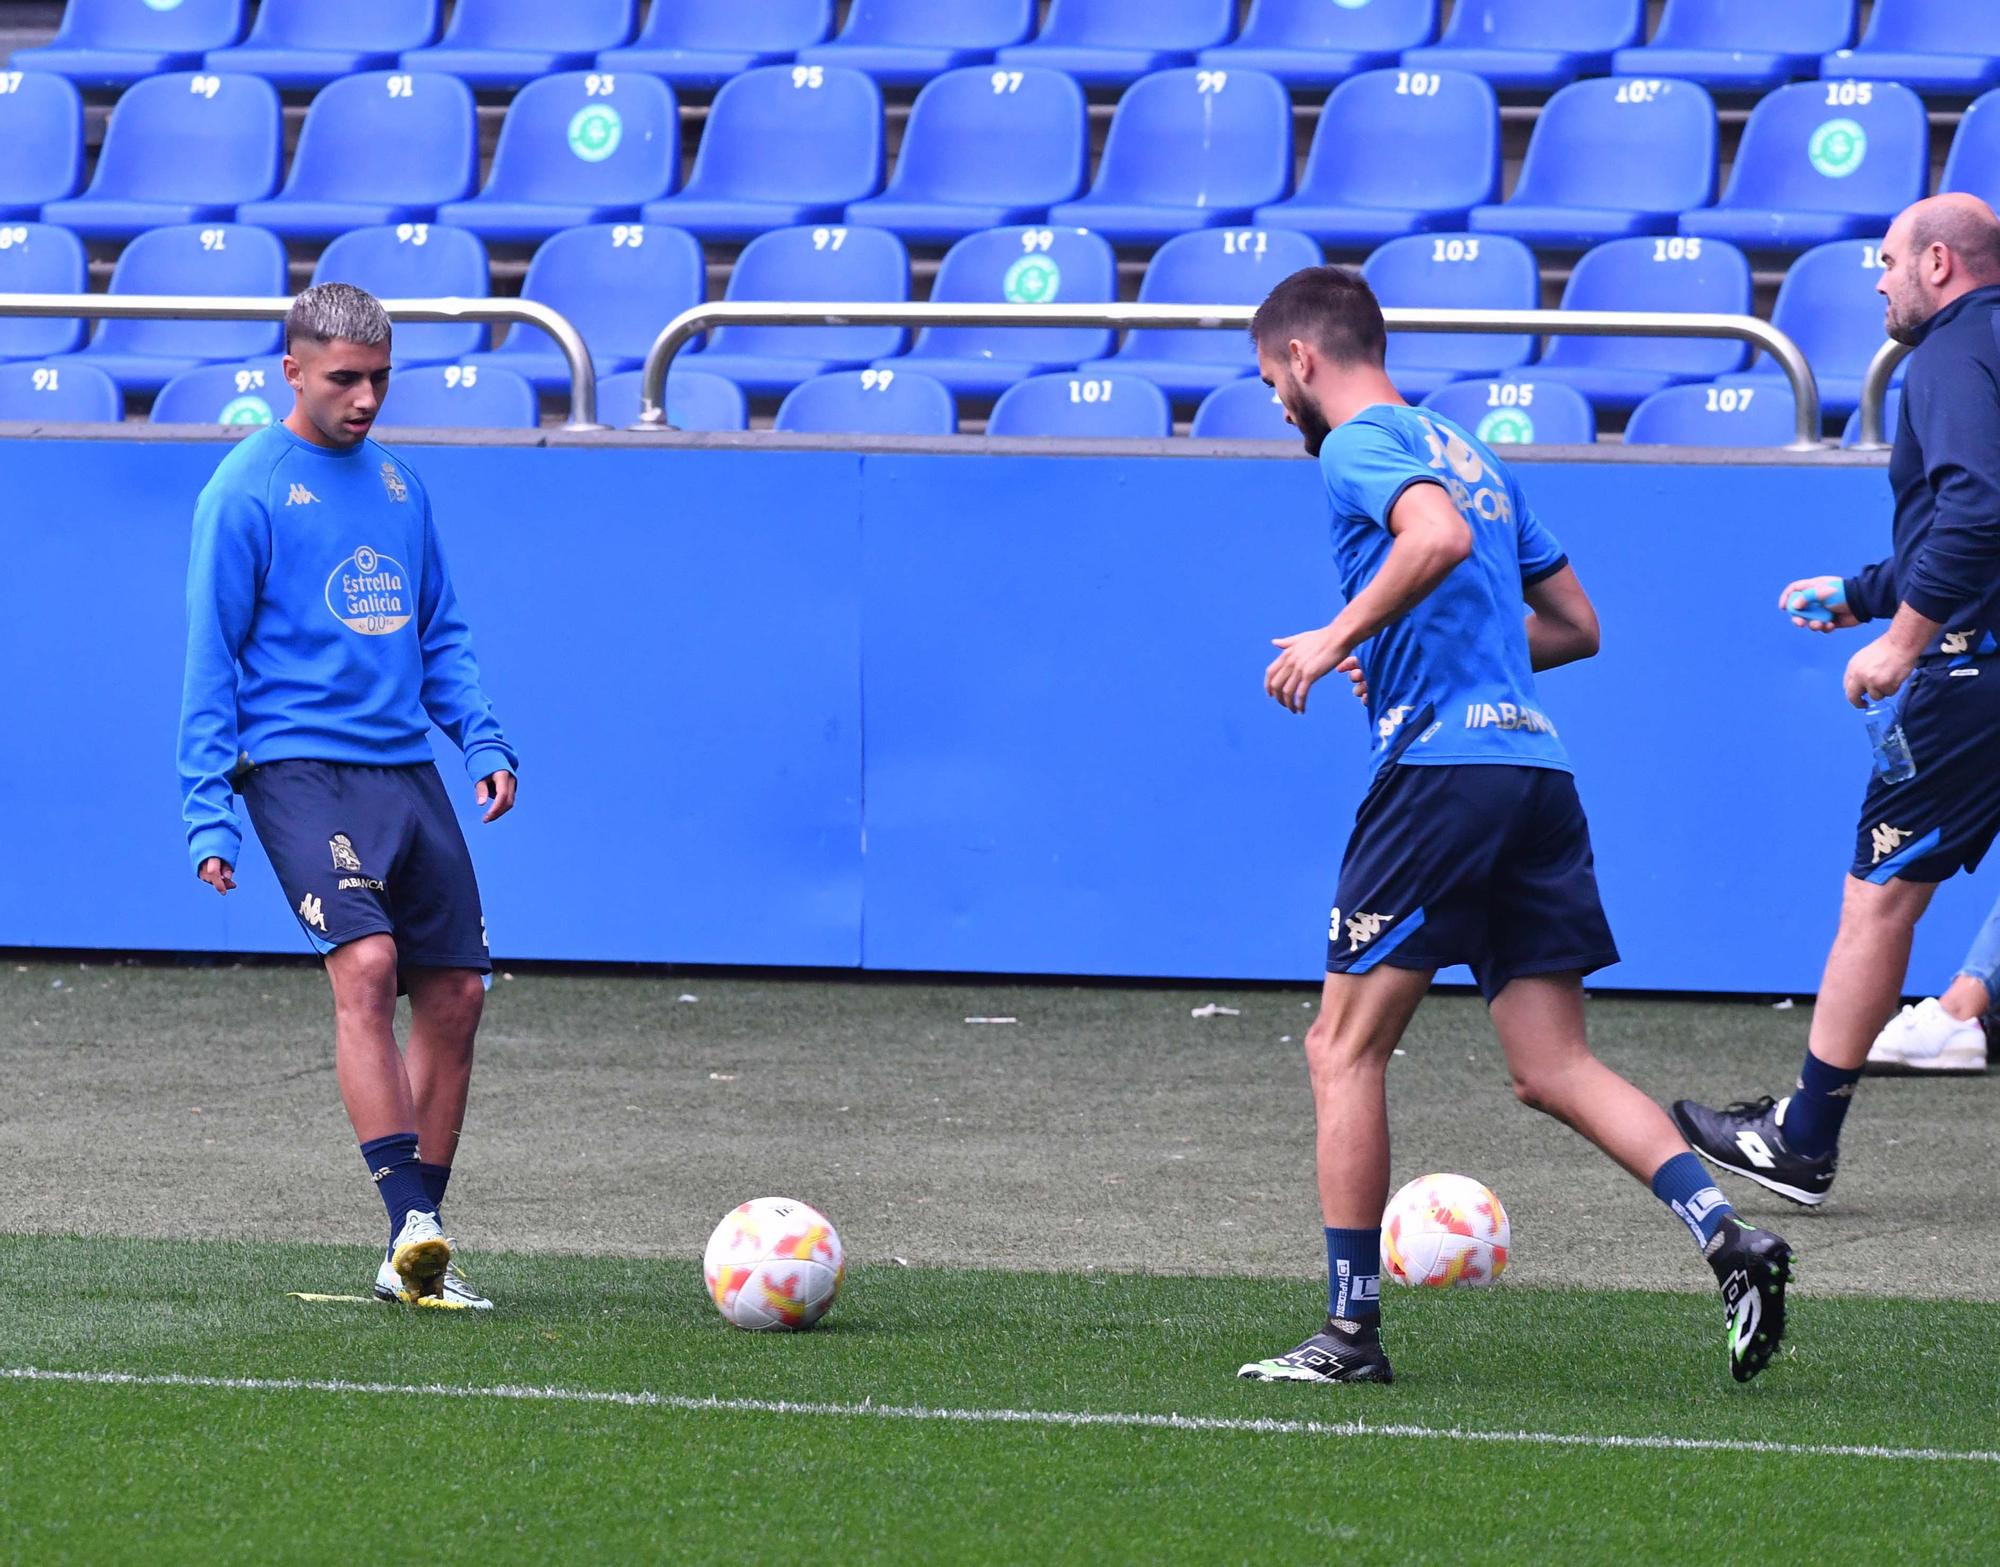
pixel 373 1084
pixel 1865 969
pixel 445 1005
pixel 1361 1016
pixel 1542 1032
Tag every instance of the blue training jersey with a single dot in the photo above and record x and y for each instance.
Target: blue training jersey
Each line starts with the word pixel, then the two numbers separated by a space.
pixel 1450 682
pixel 321 625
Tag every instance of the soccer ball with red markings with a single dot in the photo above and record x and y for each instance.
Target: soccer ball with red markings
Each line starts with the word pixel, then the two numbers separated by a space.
pixel 773 1264
pixel 1445 1229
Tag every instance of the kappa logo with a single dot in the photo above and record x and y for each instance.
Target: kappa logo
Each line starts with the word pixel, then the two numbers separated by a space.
pixel 344 857
pixel 392 481
pixel 1956 642
pixel 1391 721
pixel 1364 928
pixel 1887 841
pixel 300 496
pixel 312 913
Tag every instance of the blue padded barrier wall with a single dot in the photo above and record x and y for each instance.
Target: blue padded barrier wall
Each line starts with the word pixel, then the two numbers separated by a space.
pixel 1043 676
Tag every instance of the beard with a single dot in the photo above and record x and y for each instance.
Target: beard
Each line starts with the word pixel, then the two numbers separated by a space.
pixel 1313 428
pixel 1903 321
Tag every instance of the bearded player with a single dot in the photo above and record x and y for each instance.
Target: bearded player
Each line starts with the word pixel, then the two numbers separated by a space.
pixel 1470 845
pixel 323 642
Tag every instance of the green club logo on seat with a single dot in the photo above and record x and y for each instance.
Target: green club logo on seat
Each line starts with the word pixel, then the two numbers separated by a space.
pixel 595 131
pixel 1032 280
pixel 1837 148
pixel 1506 427
pixel 248 409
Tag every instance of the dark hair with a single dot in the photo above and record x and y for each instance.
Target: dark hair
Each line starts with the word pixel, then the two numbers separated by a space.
pixel 1328 307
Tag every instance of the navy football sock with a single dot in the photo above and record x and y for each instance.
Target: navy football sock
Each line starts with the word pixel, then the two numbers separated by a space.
pixel 436 1177
pixel 1811 1126
pixel 1683 1185
pixel 1354 1275
pixel 392 1162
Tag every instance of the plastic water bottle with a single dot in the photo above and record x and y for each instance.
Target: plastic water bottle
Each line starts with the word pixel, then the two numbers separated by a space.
pixel 1893 762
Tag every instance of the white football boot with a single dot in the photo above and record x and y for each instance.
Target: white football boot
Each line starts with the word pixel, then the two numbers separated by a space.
pixel 419 1256
pixel 458 1292
pixel 1926 1038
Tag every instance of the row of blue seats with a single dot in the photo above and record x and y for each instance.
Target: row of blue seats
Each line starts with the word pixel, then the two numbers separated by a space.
pixel 621 283
pixel 1941 45
pixel 1395 152
pixel 905 402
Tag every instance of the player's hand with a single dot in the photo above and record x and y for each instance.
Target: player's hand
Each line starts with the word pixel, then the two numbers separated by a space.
pixel 1350 666
pixel 218 873
pixel 1877 671
pixel 1305 657
pixel 1818 604
pixel 498 788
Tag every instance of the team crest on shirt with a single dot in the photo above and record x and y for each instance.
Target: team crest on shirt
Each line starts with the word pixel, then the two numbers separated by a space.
pixel 392 481
pixel 344 857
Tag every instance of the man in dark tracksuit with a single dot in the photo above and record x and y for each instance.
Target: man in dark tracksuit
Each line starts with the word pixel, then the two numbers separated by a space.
pixel 1940 593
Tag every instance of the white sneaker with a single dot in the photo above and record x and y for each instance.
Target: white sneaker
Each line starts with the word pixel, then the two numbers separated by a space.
pixel 1926 1038
pixel 419 1256
pixel 455 1294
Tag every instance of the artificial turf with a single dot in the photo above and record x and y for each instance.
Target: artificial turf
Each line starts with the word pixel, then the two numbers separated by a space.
pixel 128 1473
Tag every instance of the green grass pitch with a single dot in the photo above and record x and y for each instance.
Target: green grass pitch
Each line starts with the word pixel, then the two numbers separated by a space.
pixel 944 1421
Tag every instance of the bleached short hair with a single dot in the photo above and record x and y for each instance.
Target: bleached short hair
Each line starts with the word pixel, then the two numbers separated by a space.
pixel 336 310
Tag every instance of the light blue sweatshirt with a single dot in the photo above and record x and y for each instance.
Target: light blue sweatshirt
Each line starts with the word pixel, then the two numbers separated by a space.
pixel 321 625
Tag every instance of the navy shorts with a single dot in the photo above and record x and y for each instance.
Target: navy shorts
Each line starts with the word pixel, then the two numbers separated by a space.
pixel 1943 820
pixel 1487 865
pixel 370 851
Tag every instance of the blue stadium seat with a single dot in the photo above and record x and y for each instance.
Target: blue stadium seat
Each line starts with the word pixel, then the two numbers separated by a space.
pixel 1828 306
pixel 1212 267
pixel 308 43
pixel 1714 416
pixel 804 263
pixel 1023 266
pixel 1523 412
pixel 582 147
pixel 1973 164
pixel 188 258
pixel 1307 43
pixel 1532 45
pixel 1087 405
pixel 508 43
pixel 869 402
pixel 41 117
pixel 1728 46
pixel 64 392
pixel 784 144
pixel 252 392
pixel 113 43
pixel 702 43
pixel 1934 46
pixel 460 397
pixel 1609 157
pixel 1649 273
pixel 39 258
pixel 1454 272
pixel 983 148
pixel 1396 152
pixel 1245 410
pixel 1109 43
pixel 179 148
pixel 381 147
pixel 1892 411
pixel 415 261
pixel 1821 161
pixel 696 400
pixel 1188 149
pixel 904 42
pixel 617 283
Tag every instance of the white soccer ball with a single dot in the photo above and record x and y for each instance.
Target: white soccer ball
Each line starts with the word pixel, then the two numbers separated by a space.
pixel 1445 1229
pixel 773 1263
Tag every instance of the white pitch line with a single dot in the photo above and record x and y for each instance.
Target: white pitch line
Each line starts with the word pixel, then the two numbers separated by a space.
pixel 1009 1417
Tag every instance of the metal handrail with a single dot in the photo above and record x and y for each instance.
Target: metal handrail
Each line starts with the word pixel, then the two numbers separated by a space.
pixel 1875 393
pixel 229 307
pixel 693 323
